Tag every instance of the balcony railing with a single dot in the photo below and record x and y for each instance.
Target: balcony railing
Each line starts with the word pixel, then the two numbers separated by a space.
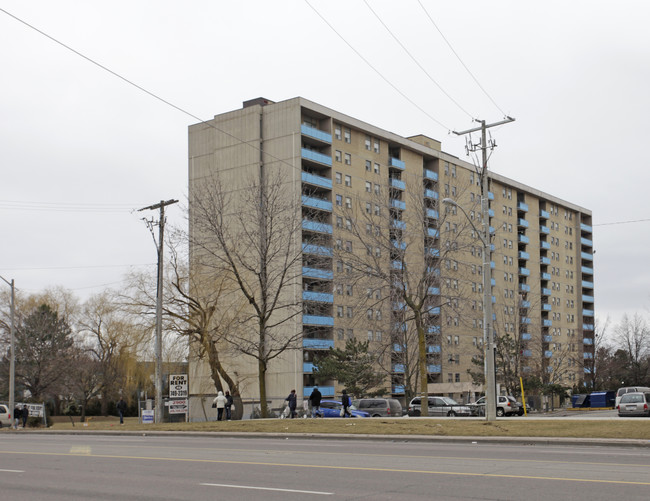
pixel 315 156
pixel 306 130
pixel 587 256
pixel 525 272
pixel 587 285
pixel 431 213
pixel 547 323
pixel 326 391
pixel 586 270
pixel 432 232
pixel 319 250
pixel 524 255
pixel 397 183
pixel 544 245
pixel 588 341
pixel 547 307
pixel 317 273
pixel 433 329
pixel 544 214
pixel 546 276
pixel 587 299
pixel 326 321
pixel 545 230
pixel 316 203
pixel 526 336
pixel 586 228
pixel 522 206
pixel 544 260
pixel 523 239
pixel 430 194
pixel 522 223
pixel 320 181
pixel 429 174
pixel 433 369
pixel 308 224
pixel 318 297
pixel 397 204
pixel 397 163
pixel 546 291
pixel 587 313
pixel 317 344
pixel 586 242
pixel 523 287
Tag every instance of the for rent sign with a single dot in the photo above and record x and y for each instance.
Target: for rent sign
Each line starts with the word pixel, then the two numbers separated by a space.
pixel 178 386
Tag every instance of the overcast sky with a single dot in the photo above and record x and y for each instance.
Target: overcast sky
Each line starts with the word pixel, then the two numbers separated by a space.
pixel 81 149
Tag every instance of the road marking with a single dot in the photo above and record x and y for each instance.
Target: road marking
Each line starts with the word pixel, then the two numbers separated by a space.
pixel 329 467
pixel 267 489
pixel 12 471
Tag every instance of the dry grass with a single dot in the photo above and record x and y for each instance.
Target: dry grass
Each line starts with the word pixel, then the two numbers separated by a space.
pixel 516 427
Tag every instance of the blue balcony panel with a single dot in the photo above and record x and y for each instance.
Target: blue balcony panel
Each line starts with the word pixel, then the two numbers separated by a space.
pixel 433 270
pixel 317 203
pixel 522 223
pixel 586 270
pixel 587 256
pixel 545 245
pixel 588 340
pixel 544 260
pixel 545 230
pixel 397 183
pixel 546 276
pixel 397 204
pixel 396 264
pixel 398 348
pixel 524 255
pixel 587 313
pixel 317 273
pixel 429 174
pixel 547 338
pixel 548 354
pixel 587 299
pixel 547 307
pixel 525 320
pixel 524 304
pixel 522 206
pixel 523 239
pixel 433 329
pixel 432 213
pixel 399 244
pixel 398 306
pixel 588 355
pixel 396 223
pixel 588 327
pixel 433 369
pixel 318 297
pixel 587 285
pixel 547 323
pixel 525 272
pixel 318 320
pixel 434 311
pixel 492 247
pixel 400 326
pixel 524 287
pixel 527 353
pixel 490 195
pixel 317 344
pixel 306 130
pixel 432 232
pixel 549 368
pixel 397 163
pixel 544 214
pixel 546 291
pixel 493 282
pixel 314 156
pixel 322 182
pixel 526 336
pixel 433 348
pixel 308 368
pixel 431 194
pixel 398 389
pixel 586 228
pixel 491 212
pixel 326 391
pixel 586 242
pixel 433 291
pixel 319 250
pixel 398 368
pixel 317 226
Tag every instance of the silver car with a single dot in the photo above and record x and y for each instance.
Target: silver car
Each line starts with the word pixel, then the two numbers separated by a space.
pixel 5 416
pixel 634 404
pixel 439 406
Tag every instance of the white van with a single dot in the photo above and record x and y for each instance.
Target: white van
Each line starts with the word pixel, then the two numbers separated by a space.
pixel 629 389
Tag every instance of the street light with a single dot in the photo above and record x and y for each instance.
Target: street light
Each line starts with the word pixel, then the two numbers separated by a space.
pixel 484 237
pixel 12 356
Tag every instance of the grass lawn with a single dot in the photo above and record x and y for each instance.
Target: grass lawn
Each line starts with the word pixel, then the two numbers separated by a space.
pixel 515 427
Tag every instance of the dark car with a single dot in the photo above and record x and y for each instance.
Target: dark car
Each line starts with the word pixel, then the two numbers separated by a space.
pixel 332 409
pixel 379 407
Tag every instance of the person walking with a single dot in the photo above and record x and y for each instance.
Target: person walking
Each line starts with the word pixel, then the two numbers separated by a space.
pixel 345 402
pixel 17 415
pixel 220 402
pixel 292 403
pixel 229 402
pixel 25 414
pixel 121 408
pixel 314 400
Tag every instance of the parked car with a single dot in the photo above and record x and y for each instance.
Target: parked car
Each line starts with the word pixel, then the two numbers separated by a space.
pixel 634 404
pixel 379 407
pixel 506 406
pixel 5 416
pixel 628 389
pixel 439 406
pixel 332 409
pixel 520 408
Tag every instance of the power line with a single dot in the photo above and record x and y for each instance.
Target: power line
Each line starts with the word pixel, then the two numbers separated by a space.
pixel 460 60
pixel 375 69
pixel 417 62
pixel 623 222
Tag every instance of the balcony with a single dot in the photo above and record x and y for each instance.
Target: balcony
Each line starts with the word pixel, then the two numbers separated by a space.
pixel 317 344
pixel 546 276
pixel 587 327
pixel 544 260
pixel 326 391
pixel 521 206
pixel 318 297
pixel 588 355
pixel 522 223
pixel 435 310
pixel 587 313
pixel 523 287
pixel 586 228
pixel 397 163
pixel 398 368
pixel 586 270
pixel 396 264
pixel 587 299
pixel 398 348
pixel 548 354
pixel 587 285
pixel 317 273
pixel 545 230
pixel 544 215
pixel 317 157
pixel 400 327
pixel 527 353
pixel 524 272
pixel 432 252
pixel 398 389
pixel 314 133
pixel 547 307
pixel 319 250
pixel 433 329
pixel 315 180
pixel 526 337
pixel 429 174
pixel 524 304
pixel 323 320
pixel 397 224
pixel 586 242
pixel 316 203
pixel 433 291
pixel 546 291
pixel 525 320
pixel 431 213
pixel 433 369
pixel 588 341
pixel 309 225
pixel 547 323
pixel 587 256
pixel 523 239
pixel 397 204
pixel 308 368
pixel 490 195
pixel 433 232
pixel 544 245
pixel 430 194
pixel 397 183
pixel 547 338
pixel 523 255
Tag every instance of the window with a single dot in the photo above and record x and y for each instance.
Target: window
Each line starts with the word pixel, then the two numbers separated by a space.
pixel 348 202
pixel 368 165
pixel 348 290
pixel 446 168
pixel 457 377
pixel 348 224
pixel 370 335
pixel 369 314
pixel 350 334
pixel 348 246
pixel 339 266
pixel 453 171
pixel 376 145
pixel 347 135
pixel 348 159
pixel 337 155
pixel 338 178
pixel 377 168
pixel 368 208
pixel 339 311
pixel 368 143
pixel 368 229
pixel 456 340
pixel 339 200
pixel 377 210
pixel 368 186
pixel 378 335
pixel 350 312
pixel 378 315
pixel 337 131
pixel 348 180
pixel 377 189
pixel 339 289
pixel 339 333
pixel 339 222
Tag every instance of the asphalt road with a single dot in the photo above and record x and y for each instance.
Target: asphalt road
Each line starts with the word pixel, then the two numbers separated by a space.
pixel 94 467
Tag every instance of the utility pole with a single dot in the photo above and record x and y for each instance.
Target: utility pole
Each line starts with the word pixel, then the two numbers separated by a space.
pixel 12 355
pixel 158 345
pixel 488 330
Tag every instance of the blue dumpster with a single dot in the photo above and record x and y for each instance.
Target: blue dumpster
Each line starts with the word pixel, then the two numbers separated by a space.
pixel 580 400
pixel 602 399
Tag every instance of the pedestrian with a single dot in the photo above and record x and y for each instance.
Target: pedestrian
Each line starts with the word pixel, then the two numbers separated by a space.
pixel 345 402
pixel 220 402
pixel 25 414
pixel 229 402
pixel 17 415
pixel 314 400
pixel 121 408
pixel 292 403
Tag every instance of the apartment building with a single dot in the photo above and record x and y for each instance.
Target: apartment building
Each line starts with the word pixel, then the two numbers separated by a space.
pixel 374 238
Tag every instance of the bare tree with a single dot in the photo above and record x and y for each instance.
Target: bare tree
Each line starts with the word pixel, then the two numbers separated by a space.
pixel 633 336
pixel 251 239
